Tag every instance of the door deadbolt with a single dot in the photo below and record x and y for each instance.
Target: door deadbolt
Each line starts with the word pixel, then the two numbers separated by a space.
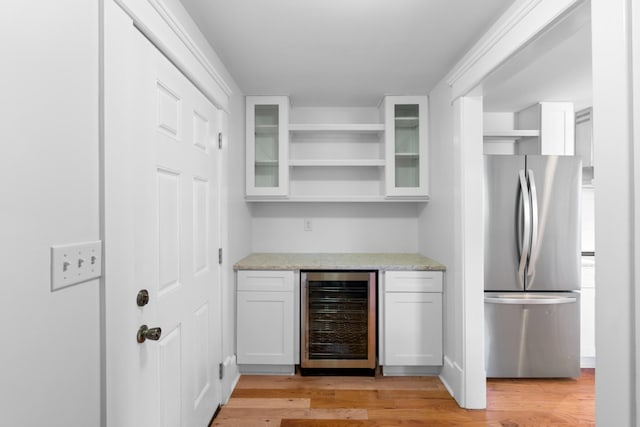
pixel 146 333
pixel 143 298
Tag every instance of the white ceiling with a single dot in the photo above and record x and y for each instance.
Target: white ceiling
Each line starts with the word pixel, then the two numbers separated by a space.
pixel 341 52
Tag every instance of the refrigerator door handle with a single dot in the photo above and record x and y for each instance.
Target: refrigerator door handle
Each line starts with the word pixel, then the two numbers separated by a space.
pixel 534 224
pixel 523 232
pixel 530 301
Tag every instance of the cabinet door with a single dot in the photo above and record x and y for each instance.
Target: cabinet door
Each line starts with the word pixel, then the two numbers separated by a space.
pixel 267 144
pixel 265 328
pixel 584 135
pixel 413 329
pixel 555 123
pixel 406 146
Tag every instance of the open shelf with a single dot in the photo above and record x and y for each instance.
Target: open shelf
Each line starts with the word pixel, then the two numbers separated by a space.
pixel 336 127
pixel 337 162
pixel 510 134
pixel 338 199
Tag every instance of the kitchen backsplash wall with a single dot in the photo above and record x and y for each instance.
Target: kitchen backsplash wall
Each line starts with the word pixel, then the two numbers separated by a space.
pixel 335 227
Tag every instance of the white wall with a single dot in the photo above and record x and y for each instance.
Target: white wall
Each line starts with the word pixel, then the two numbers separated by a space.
pixel 50 357
pixel 436 225
pixel 336 227
pixel 237 229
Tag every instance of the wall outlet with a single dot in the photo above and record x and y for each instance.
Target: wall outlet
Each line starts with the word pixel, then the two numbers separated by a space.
pixel 75 263
pixel 308 224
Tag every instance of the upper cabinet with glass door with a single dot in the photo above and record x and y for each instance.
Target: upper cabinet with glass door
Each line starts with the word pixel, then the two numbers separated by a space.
pixel 267 139
pixel 406 147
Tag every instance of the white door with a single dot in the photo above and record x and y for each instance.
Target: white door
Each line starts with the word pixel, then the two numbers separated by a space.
pixel 162 235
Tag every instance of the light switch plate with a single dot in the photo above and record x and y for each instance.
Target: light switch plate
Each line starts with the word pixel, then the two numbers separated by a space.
pixel 75 263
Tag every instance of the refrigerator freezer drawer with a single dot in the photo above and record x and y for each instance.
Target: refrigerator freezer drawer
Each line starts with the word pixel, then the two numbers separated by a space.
pixel 531 335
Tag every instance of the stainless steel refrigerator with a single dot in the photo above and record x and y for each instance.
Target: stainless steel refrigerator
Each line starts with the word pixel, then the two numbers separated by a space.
pixel 532 266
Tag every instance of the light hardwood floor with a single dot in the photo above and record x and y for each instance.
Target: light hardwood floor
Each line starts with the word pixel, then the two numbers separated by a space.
pixel 295 401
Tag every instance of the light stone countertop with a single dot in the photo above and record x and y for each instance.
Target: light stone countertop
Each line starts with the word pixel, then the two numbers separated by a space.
pixel 338 261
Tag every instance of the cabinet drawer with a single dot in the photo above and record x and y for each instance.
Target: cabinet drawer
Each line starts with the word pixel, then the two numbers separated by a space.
pixel 265 280
pixel 413 281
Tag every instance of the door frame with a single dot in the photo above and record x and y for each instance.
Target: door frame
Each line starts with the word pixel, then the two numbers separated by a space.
pixel 616 58
pixel 157 20
pixel 520 24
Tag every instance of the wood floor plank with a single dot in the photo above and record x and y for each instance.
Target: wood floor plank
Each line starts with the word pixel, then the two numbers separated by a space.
pixel 251 402
pixel 307 393
pixel 324 423
pixel 295 401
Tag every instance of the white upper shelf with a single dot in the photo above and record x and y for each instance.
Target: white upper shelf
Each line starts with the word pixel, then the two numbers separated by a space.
pixel 337 162
pixel 336 127
pixel 510 134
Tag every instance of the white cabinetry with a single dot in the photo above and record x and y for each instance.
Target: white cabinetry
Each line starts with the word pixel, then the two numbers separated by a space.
pixel 584 143
pixel 266 321
pixel 545 128
pixel 339 154
pixel 406 146
pixel 412 319
pixel 555 122
pixel 267 143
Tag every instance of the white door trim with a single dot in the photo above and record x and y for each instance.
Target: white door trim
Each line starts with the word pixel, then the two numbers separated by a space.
pixel 115 93
pixel 185 47
pixel 468 128
pixel 522 22
pixel 615 28
pixel 635 83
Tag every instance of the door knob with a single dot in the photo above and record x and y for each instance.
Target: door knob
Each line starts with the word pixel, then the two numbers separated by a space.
pixel 146 333
pixel 143 298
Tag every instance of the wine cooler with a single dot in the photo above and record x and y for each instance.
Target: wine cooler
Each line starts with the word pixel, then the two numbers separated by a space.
pixel 338 319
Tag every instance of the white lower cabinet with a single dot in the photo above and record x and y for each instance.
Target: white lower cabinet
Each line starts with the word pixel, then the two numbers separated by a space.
pixel 265 318
pixel 412 318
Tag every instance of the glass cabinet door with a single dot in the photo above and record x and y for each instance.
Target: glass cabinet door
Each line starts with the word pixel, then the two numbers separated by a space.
pixel 405 120
pixel 267 141
pixel 407 145
pixel 266 145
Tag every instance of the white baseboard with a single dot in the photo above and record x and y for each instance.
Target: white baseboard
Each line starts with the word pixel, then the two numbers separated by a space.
pixel 230 378
pixel 411 371
pixel 451 377
pixel 588 362
pixel 267 369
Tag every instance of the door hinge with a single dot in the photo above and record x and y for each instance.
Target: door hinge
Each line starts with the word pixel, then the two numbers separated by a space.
pixel 220 256
pixel 220 140
pixel 220 371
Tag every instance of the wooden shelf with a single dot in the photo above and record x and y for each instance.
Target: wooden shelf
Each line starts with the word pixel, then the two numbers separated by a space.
pixel 337 162
pixel 336 127
pixel 510 134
